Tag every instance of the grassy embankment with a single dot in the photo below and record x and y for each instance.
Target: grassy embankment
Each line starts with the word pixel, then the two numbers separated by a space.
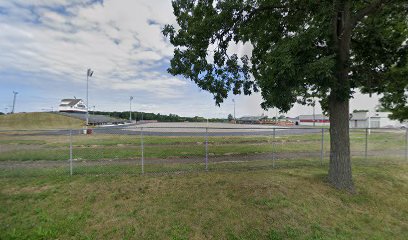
pixel 285 203
pixel 38 121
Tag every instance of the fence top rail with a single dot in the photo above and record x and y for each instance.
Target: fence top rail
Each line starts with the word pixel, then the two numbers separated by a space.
pixel 227 128
pixel 127 128
pixel 238 128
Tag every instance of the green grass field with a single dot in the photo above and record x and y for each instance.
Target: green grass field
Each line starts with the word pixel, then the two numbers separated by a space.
pixel 38 120
pixel 292 202
pixel 23 146
pixel 247 199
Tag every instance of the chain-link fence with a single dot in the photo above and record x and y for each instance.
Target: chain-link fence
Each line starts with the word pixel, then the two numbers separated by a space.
pixel 141 149
pixel 34 152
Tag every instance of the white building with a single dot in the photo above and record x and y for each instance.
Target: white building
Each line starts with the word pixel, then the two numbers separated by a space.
pixel 372 120
pixel 72 105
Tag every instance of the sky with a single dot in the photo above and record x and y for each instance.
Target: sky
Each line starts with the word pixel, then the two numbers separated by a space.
pixel 47 46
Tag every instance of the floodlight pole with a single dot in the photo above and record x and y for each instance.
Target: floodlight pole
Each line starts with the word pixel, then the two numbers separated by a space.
pixel 87 107
pixel 14 101
pixel 89 73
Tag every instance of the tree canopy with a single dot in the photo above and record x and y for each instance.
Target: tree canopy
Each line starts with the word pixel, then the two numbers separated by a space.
pixel 300 50
pixel 230 117
pixel 292 57
pixel 395 93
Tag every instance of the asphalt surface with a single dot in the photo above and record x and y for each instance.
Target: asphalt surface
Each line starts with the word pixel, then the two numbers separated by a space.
pixel 177 131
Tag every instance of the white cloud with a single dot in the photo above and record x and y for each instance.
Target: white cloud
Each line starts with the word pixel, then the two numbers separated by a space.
pixel 50 44
pixel 109 37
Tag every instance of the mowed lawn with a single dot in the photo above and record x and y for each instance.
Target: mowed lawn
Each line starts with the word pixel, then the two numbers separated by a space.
pixel 284 203
pixel 36 145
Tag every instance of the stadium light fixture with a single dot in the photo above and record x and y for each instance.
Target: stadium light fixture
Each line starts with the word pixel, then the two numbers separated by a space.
pixel 89 73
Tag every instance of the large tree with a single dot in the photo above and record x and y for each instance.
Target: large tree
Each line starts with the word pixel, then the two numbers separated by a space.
pixel 395 90
pixel 301 49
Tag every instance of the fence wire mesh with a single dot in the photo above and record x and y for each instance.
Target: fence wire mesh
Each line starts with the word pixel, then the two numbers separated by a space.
pixel 34 152
pixel 106 151
pixel 142 149
pixel 174 149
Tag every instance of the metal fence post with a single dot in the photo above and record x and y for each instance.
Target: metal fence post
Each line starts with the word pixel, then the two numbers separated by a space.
pixel 273 148
pixel 70 153
pixel 206 149
pixel 366 144
pixel 321 148
pixel 142 148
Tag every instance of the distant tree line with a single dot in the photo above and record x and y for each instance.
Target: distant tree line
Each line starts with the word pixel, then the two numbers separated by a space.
pixel 159 117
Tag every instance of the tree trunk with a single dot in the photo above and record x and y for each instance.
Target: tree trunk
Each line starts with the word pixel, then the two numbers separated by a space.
pixel 340 175
pixel 340 164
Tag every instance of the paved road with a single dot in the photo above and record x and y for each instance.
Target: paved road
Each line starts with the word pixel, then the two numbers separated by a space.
pixel 177 131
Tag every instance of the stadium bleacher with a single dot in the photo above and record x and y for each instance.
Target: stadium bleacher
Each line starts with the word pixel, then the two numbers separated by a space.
pixel 95 119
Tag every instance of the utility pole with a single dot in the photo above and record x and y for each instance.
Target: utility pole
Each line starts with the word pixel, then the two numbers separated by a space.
pixel 369 123
pixel 276 114
pixel 89 73
pixel 314 113
pixel 14 101
pixel 136 117
pixel 130 109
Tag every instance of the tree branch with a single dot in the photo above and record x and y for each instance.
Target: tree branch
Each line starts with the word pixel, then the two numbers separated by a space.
pixel 371 8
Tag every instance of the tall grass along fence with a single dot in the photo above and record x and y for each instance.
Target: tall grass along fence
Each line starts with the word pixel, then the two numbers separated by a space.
pixel 140 150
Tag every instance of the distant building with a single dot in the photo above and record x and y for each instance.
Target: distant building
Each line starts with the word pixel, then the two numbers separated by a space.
pixel 372 120
pixel 263 119
pixel 251 119
pixel 72 105
pixel 312 120
pixel 294 120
